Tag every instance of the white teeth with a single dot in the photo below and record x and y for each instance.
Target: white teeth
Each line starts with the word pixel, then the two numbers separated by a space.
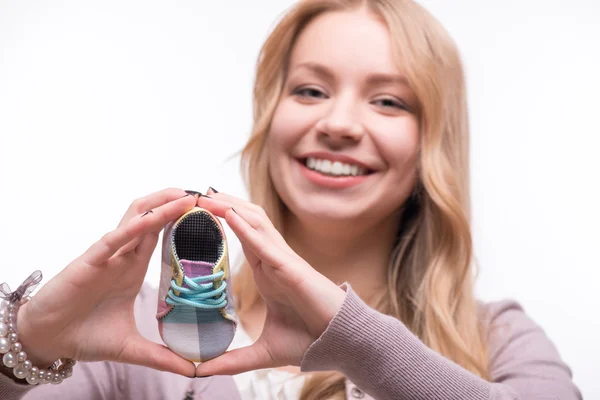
pixel 335 168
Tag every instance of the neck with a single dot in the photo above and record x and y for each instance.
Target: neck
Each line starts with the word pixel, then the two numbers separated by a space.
pixel 346 252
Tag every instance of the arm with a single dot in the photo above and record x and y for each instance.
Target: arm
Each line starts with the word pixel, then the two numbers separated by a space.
pixel 381 356
pixel 89 381
pixel 106 380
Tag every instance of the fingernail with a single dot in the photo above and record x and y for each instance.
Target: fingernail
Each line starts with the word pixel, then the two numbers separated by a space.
pixel 203 195
pixel 204 376
pixel 193 193
pixel 147 212
pixel 184 196
pixel 213 189
pixel 233 209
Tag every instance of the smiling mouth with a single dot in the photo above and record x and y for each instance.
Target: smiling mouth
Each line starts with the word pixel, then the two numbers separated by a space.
pixel 334 168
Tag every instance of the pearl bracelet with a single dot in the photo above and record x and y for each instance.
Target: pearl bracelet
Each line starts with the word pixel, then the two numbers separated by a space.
pixel 13 355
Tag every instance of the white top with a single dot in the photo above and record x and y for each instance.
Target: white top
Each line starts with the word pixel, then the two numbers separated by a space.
pixel 265 384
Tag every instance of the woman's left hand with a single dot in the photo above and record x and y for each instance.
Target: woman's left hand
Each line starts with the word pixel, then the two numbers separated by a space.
pixel 300 301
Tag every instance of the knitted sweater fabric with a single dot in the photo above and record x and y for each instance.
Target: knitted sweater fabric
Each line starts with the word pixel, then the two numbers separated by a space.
pixel 380 358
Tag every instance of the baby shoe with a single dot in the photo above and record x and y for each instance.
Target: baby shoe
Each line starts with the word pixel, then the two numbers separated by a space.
pixel 196 316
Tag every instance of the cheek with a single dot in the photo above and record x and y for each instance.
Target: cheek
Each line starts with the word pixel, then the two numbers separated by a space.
pixel 288 126
pixel 399 145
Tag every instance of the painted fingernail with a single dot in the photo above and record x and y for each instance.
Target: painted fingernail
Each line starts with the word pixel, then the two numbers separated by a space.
pixel 233 209
pixel 203 195
pixel 193 193
pixel 213 189
pixel 147 212
pixel 184 196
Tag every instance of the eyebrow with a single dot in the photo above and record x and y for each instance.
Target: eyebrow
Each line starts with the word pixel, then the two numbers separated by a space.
pixel 373 79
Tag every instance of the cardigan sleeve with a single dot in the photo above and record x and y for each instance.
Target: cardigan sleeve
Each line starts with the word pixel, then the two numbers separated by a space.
pixel 381 356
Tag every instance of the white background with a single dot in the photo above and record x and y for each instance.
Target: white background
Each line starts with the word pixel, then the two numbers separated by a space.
pixel 103 102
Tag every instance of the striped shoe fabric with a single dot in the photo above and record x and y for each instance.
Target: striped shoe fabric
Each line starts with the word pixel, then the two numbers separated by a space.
pixel 195 313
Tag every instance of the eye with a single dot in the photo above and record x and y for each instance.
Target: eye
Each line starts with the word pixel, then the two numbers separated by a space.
pixel 310 92
pixel 393 103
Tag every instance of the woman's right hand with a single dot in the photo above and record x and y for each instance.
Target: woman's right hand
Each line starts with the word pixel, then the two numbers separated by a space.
pixel 86 311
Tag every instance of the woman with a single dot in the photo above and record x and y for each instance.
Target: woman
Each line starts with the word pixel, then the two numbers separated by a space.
pixel 358 173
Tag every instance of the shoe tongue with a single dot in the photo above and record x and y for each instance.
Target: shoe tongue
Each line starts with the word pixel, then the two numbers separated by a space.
pixel 194 269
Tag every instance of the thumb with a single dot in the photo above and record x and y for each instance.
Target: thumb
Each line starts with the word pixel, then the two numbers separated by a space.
pixel 141 351
pixel 236 361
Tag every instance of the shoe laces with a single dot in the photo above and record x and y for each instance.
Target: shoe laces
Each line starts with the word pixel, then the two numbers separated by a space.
pixel 199 295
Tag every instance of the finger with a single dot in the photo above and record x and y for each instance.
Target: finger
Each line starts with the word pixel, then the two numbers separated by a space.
pixel 252 259
pixel 147 245
pixel 232 200
pixel 110 243
pixel 252 213
pixel 148 203
pixel 237 361
pixel 129 246
pixel 228 201
pixel 263 248
pixel 141 351
pixel 216 206
pixel 151 201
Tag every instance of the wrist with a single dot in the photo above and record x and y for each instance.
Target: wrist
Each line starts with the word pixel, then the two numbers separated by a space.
pixel 12 309
pixel 28 341
pixel 329 298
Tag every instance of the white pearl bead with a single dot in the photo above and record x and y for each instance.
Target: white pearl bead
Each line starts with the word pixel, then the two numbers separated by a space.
pixel 21 356
pixel 4 345
pixel 56 379
pixel 13 337
pixel 11 307
pixel 20 372
pixel 41 373
pixel 33 379
pixel 34 371
pixel 10 360
pixel 3 329
pixel 16 347
pixel 27 365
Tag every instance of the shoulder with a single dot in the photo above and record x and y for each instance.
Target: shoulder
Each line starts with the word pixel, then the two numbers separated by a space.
pixel 518 347
pixel 509 329
pixel 505 321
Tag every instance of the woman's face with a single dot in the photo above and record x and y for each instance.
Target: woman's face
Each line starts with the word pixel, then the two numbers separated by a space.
pixel 344 138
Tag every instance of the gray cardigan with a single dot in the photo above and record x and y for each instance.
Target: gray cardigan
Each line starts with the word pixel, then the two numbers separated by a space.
pixel 379 356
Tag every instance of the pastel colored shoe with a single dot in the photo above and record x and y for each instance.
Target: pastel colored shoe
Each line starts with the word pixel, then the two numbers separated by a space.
pixel 196 316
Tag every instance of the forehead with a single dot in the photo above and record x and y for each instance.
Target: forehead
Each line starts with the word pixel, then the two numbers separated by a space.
pixel 346 42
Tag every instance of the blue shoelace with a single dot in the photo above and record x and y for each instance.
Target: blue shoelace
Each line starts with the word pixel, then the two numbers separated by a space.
pixel 199 295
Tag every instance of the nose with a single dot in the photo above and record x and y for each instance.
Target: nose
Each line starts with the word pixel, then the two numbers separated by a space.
pixel 340 125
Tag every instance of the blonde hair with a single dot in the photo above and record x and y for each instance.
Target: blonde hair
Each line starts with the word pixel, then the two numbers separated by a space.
pixel 430 276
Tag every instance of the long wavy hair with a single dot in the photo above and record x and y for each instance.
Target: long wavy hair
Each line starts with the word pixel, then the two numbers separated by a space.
pixel 431 273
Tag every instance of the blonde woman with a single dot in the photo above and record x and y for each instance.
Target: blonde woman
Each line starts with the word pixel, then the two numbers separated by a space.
pixel 358 278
